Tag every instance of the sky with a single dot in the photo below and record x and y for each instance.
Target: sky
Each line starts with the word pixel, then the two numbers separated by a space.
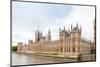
pixel 29 17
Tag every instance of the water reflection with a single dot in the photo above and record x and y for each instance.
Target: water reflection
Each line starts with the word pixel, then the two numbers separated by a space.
pixel 24 59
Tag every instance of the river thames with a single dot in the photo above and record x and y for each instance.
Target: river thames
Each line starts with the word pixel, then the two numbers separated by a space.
pixel 26 59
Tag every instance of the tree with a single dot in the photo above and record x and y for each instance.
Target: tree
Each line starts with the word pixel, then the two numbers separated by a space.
pixel 14 48
pixel 93 51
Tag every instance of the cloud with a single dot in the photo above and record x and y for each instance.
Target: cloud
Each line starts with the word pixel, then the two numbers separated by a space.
pixel 26 21
pixel 84 16
pixel 23 36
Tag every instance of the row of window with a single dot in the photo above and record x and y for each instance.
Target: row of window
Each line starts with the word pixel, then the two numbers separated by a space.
pixel 67 49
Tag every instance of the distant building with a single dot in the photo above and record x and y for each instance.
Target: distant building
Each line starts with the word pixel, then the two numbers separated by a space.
pixel 70 43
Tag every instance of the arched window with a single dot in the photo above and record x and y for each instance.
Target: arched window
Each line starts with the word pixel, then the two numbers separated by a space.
pixel 73 48
pixel 61 49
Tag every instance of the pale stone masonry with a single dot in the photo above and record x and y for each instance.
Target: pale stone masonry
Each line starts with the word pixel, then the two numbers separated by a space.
pixel 70 44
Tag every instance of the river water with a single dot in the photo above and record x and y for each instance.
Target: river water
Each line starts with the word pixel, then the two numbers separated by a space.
pixel 24 59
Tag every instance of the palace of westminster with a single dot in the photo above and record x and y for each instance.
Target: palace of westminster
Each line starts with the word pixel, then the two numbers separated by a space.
pixel 70 43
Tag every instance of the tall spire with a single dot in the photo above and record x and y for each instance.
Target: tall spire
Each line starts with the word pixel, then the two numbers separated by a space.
pixel 77 25
pixel 59 29
pixel 41 34
pixel 49 32
pixel 71 27
pixel 49 35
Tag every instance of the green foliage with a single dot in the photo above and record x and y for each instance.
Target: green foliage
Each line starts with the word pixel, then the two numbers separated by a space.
pixel 93 51
pixel 14 48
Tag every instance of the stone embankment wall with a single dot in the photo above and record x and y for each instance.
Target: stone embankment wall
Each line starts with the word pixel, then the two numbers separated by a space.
pixel 88 57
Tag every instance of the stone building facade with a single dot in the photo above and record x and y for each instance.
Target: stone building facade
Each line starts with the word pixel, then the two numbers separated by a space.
pixel 70 44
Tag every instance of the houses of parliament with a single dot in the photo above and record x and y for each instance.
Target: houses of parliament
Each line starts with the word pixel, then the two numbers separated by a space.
pixel 70 43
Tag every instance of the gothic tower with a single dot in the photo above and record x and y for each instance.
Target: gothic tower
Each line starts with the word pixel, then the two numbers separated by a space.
pixel 75 38
pixel 61 39
pixel 38 36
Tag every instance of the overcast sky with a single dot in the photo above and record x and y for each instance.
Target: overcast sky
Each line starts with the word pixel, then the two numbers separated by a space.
pixel 27 17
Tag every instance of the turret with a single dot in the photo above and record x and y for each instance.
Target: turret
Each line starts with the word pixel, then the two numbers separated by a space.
pixel 71 27
pixel 59 30
pixel 76 32
pixel 36 36
pixel 49 35
pixel 41 34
